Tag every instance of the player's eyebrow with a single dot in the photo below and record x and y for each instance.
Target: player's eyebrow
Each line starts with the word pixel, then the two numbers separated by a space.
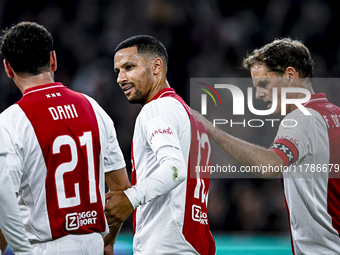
pixel 127 63
pixel 261 82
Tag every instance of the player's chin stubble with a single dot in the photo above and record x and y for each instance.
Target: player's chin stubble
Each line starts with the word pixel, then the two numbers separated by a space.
pixel 136 98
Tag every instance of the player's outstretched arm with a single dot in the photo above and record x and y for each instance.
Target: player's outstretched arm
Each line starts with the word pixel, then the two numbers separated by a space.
pixel 242 152
pixel 117 181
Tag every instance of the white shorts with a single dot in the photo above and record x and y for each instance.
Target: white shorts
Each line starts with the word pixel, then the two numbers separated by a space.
pixel 90 244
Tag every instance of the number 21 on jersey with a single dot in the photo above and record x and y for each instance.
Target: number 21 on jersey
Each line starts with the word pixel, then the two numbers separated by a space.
pixel 85 140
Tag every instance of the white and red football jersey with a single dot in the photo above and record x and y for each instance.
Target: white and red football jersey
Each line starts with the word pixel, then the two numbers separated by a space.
pixel 60 143
pixel 175 222
pixel 311 147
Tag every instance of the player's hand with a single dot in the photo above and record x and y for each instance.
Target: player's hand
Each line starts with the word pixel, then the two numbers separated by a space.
pixel 117 208
pixel 206 123
pixel 108 250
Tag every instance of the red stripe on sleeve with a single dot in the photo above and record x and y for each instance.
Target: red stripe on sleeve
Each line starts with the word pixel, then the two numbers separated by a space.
pixel 282 155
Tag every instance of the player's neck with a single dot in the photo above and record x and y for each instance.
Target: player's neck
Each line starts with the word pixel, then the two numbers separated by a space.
pixel 155 91
pixel 24 83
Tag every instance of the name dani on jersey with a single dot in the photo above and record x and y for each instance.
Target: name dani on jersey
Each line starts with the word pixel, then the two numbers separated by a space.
pixel 63 112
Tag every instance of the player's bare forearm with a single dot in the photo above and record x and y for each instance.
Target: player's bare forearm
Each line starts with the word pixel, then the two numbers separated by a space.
pixel 242 152
pixel 3 243
pixel 110 239
pixel 117 181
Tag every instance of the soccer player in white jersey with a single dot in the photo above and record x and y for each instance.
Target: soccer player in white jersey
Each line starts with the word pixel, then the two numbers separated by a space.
pixel 10 221
pixel 309 148
pixel 169 198
pixel 61 147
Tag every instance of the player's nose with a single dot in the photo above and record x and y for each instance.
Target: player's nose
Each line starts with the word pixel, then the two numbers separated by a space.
pixel 260 93
pixel 121 78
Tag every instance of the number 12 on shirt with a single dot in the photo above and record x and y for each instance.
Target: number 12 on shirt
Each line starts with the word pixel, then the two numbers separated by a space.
pixel 205 147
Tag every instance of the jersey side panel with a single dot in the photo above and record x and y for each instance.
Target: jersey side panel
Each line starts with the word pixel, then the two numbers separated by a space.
pixel 331 114
pixel 196 215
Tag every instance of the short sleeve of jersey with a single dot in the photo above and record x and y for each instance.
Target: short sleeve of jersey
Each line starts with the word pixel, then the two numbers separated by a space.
pixel 3 150
pixel 162 124
pixel 292 141
pixel 113 156
pixel 11 144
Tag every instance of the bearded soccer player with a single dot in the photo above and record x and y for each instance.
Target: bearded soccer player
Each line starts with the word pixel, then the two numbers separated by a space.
pixel 169 199
pixel 308 147
pixel 59 144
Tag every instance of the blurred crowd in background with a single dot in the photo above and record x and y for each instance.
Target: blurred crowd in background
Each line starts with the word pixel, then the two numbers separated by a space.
pixel 204 38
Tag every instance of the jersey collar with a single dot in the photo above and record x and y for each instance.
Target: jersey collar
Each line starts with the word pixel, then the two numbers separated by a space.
pixel 316 98
pixel 163 93
pixel 43 87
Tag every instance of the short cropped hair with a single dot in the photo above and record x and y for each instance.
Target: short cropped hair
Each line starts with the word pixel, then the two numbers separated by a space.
pixel 147 45
pixel 282 53
pixel 27 47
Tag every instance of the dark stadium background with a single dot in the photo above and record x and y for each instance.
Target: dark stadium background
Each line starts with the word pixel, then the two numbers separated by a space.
pixel 204 39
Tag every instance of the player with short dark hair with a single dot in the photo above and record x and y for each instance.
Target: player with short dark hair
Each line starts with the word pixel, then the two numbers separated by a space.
pixel 169 197
pixel 280 54
pixel 27 47
pixel 61 147
pixel 299 151
pixel 146 45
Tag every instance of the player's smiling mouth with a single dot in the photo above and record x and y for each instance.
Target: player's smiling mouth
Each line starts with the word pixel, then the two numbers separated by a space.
pixel 269 104
pixel 127 89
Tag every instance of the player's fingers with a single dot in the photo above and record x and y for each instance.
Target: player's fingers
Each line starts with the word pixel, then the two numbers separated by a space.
pixel 108 195
pixel 111 213
pixel 108 207
pixel 115 224
pixel 110 221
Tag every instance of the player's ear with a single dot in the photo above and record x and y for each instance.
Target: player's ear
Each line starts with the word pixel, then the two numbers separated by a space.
pixel 157 66
pixel 291 74
pixel 8 69
pixel 53 61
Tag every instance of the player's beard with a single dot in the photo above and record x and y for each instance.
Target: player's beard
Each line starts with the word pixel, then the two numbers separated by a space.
pixel 143 88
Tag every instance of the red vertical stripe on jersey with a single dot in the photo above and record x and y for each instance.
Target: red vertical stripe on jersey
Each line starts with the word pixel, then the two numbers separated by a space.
pixel 333 192
pixel 133 182
pixel 61 120
pixel 333 189
pixel 196 225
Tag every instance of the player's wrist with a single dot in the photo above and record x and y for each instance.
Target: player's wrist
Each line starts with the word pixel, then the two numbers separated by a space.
pixel 132 194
